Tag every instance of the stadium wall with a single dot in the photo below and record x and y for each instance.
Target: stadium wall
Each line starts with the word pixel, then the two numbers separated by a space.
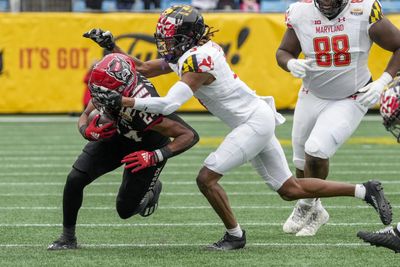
pixel 43 56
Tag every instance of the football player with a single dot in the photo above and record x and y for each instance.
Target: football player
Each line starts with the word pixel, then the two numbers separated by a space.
pixel 335 37
pixel 184 43
pixel 141 141
pixel 390 111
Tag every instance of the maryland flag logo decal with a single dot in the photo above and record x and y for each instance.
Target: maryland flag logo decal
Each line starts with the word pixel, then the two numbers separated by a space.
pixel 376 12
pixel 196 63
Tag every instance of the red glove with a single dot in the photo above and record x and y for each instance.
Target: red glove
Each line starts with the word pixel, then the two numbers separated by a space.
pixel 94 132
pixel 140 160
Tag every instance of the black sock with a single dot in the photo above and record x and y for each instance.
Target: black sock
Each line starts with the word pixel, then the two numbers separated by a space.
pixel 69 232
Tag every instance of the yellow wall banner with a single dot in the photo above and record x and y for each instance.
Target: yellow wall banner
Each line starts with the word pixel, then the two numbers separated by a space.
pixel 43 56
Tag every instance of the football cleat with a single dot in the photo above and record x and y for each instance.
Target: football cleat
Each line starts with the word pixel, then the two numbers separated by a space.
pixel 150 200
pixel 375 197
pixel 384 238
pixel 229 242
pixel 63 243
pixel 298 218
pixel 318 218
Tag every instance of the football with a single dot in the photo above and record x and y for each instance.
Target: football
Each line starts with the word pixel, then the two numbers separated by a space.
pixel 104 118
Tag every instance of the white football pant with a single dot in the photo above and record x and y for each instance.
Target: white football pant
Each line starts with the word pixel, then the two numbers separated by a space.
pixel 321 126
pixel 253 141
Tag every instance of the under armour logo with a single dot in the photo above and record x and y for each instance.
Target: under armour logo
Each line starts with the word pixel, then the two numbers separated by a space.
pixel 341 19
pixel 145 156
pixel 95 135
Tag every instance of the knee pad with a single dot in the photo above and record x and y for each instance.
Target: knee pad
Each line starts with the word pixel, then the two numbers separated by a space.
pixel 313 148
pixel 341 133
pixel 123 211
pixel 77 179
pixel 211 162
pixel 126 210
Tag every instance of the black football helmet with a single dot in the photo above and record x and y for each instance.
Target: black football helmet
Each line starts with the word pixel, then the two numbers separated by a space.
pixel 179 28
pixel 390 108
pixel 330 8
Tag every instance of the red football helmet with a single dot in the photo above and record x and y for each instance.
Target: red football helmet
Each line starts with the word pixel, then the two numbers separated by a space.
pixel 114 72
pixel 390 108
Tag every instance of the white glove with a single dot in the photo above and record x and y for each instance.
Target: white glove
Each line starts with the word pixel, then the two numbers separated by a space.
pixel 372 92
pixel 298 67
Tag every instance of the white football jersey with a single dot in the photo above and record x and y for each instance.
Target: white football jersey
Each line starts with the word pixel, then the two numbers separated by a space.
pixel 228 98
pixel 339 47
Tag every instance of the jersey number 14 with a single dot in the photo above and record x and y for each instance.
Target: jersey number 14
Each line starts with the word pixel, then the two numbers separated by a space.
pixel 333 50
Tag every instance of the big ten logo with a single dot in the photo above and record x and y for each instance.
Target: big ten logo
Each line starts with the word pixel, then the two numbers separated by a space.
pixel 42 57
pixel 143 46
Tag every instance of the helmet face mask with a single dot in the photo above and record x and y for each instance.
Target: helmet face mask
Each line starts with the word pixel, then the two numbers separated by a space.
pixel 171 48
pixel 390 109
pixel 330 8
pixel 104 109
pixel 179 28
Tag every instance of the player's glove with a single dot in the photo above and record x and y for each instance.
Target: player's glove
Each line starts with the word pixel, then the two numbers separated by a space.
pixel 104 39
pixel 371 93
pixel 94 132
pixel 109 98
pixel 298 67
pixel 140 160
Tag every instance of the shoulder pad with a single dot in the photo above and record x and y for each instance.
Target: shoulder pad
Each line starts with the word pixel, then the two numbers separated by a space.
pixel 376 12
pixel 198 62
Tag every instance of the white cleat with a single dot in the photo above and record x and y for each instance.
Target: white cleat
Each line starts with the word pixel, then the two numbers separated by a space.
pixel 298 218
pixel 318 218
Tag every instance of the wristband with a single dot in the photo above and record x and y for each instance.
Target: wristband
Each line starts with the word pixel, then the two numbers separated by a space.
pixel 163 153
pixel 386 78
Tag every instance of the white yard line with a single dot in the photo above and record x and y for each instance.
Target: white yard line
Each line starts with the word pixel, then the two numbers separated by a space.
pixel 171 245
pixel 113 194
pixel 116 225
pixel 187 117
pixel 224 182
pixel 171 163
pixel 190 207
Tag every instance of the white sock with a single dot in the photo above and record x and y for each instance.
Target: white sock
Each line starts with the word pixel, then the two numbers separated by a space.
pixel 307 202
pixel 237 231
pixel 398 227
pixel 360 191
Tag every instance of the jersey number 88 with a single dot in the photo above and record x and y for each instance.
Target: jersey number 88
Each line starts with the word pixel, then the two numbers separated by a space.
pixel 324 47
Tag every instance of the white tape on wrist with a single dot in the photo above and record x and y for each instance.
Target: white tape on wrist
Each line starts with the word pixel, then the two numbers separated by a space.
pixel 386 78
pixel 159 155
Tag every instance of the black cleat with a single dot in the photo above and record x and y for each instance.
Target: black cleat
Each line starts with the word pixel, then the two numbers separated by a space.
pixel 384 238
pixel 151 198
pixel 229 242
pixel 63 243
pixel 375 197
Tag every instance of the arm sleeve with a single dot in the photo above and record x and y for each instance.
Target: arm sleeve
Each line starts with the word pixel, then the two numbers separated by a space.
pixel 179 93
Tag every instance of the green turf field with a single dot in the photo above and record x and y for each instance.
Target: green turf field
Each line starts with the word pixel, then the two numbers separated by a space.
pixel 36 154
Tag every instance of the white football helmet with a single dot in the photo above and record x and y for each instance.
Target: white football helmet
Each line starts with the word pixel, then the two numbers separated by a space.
pixel 390 108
